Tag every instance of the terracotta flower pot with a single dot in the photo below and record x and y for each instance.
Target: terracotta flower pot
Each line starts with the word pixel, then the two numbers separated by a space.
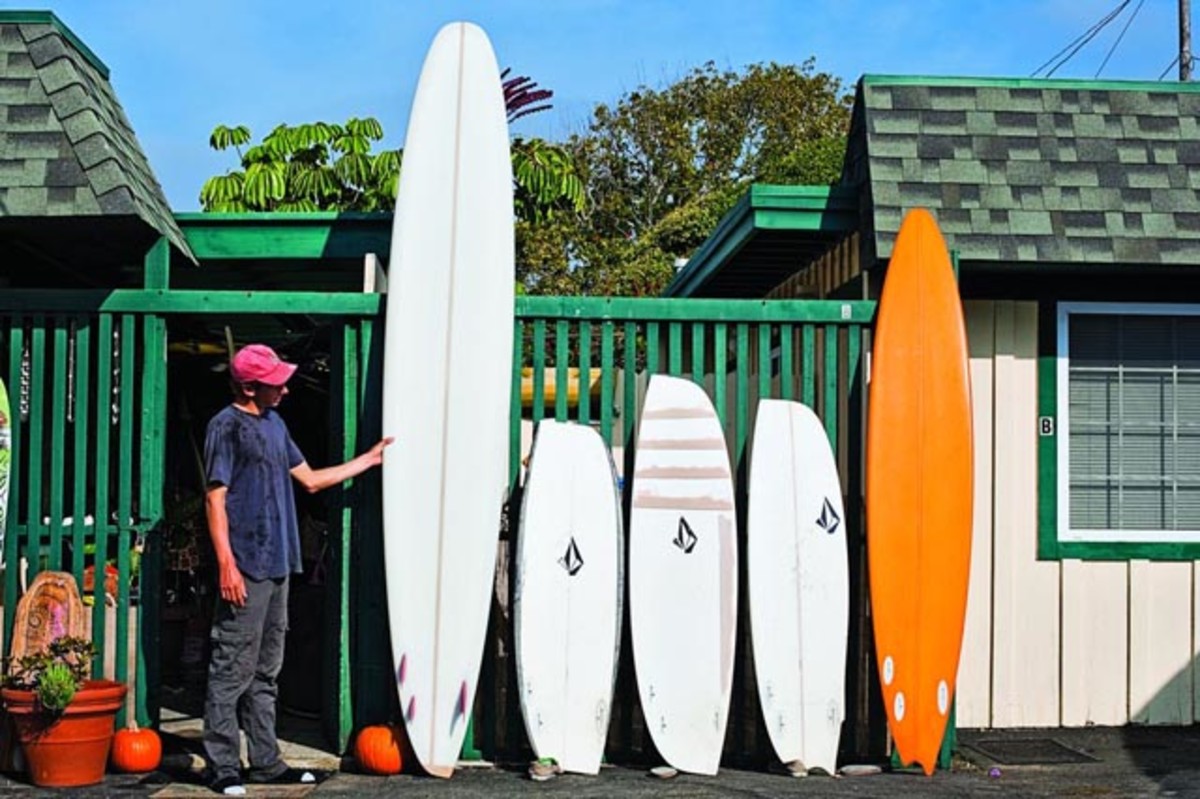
pixel 70 749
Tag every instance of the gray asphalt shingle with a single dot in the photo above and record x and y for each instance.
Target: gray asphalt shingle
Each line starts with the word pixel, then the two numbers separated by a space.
pixel 66 147
pixel 1043 170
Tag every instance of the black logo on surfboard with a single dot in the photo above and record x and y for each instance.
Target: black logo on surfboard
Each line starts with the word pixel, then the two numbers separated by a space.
pixel 685 539
pixel 571 560
pixel 829 519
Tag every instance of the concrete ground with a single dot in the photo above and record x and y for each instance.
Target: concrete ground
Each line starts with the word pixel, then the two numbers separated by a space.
pixel 1090 762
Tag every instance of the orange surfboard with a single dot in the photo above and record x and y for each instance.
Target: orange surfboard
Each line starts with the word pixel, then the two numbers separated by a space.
pixel 919 488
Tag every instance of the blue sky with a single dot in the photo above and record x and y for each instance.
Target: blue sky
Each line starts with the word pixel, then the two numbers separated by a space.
pixel 182 66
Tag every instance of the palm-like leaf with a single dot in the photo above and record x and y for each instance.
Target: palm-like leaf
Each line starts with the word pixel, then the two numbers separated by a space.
pixel 265 185
pixel 354 168
pixel 224 137
pixel 368 128
pixel 221 189
pixel 545 177
pixel 315 184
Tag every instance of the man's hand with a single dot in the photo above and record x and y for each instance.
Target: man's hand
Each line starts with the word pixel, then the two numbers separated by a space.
pixel 233 585
pixel 374 456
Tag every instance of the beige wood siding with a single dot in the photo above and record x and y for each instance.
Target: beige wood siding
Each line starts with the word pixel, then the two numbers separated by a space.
pixel 1051 643
pixel 973 695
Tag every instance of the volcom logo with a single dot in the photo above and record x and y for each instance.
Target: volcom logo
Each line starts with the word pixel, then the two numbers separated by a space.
pixel 829 519
pixel 685 539
pixel 571 560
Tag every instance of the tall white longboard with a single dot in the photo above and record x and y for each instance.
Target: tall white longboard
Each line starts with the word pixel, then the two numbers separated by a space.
pixel 446 383
pixel 799 584
pixel 683 574
pixel 567 609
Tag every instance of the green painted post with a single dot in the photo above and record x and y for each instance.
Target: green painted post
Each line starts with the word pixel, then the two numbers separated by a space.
pixel 829 399
pixel 37 445
pixel 562 357
pixel 150 480
pixel 539 369
pixel 514 407
pixel 103 469
pixel 786 366
pixel 675 349
pixel 606 381
pixel 652 348
pixel 58 429
pixel 83 360
pixel 808 363
pixel 128 394
pixel 156 266
pixel 698 352
pixel 12 539
pixel 742 397
pixel 337 715
pixel 585 371
pixel 764 361
pixel 720 370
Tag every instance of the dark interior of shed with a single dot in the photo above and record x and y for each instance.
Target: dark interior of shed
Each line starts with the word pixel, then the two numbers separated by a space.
pixel 197 388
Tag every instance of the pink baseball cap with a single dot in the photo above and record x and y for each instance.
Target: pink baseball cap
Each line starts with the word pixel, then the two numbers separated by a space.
pixel 258 363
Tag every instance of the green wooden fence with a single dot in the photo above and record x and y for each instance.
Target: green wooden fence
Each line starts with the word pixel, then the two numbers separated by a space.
pixel 88 422
pixel 739 351
pixel 87 375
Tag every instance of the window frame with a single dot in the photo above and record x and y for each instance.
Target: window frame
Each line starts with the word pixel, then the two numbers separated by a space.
pixel 1056 539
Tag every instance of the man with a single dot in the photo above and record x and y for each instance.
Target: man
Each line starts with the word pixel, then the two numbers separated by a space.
pixel 250 462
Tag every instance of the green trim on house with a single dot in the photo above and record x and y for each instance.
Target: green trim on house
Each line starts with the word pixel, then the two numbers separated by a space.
pixel 1049 547
pixel 50 18
pixel 159 301
pixel 305 236
pixel 1047 443
pixel 766 207
pixel 655 309
pixel 1030 83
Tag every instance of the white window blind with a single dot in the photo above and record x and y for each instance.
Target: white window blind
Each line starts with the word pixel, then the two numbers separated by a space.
pixel 1134 438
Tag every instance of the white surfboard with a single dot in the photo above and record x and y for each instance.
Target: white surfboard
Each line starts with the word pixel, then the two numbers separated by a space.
pixel 683 574
pixel 799 584
pixel 446 384
pixel 567 604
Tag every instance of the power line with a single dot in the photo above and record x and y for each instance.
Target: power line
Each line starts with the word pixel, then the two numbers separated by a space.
pixel 1120 36
pixel 1175 61
pixel 1091 35
pixel 1058 59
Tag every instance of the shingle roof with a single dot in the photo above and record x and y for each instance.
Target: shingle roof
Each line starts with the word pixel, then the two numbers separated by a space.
pixel 1033 170
pixel 66 147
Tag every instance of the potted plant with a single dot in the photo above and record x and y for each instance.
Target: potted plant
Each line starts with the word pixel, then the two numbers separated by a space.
pixel 64 720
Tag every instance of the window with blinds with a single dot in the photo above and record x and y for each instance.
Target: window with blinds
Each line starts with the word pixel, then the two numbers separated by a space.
pixel 1133 384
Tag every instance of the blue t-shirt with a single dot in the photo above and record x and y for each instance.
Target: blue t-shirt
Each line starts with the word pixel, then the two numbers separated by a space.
pixel 252 456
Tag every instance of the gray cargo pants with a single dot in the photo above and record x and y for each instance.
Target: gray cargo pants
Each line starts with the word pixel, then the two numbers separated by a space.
pixel 247 654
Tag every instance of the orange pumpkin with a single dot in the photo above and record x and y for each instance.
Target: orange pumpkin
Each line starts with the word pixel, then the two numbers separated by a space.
pixel 135 750
pixel 378 749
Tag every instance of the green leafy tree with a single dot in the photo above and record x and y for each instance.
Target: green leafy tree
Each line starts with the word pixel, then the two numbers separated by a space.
pixel 661 166
pixel 318 166
pixel 310 167
pixel 545 180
